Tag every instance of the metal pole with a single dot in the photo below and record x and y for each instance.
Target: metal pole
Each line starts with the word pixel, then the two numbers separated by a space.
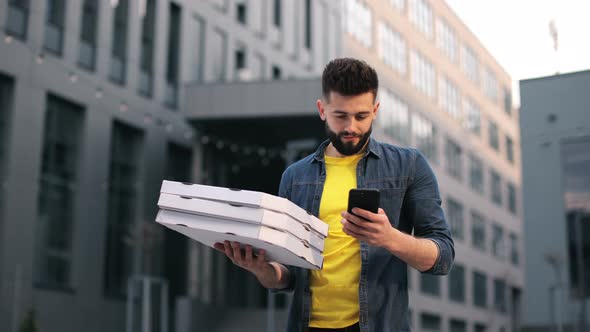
pixel 164 307
pixel 552 307
pixel 270 312
pixel 130 299
pixel 580 263
pixel 146 322
pixel 16 300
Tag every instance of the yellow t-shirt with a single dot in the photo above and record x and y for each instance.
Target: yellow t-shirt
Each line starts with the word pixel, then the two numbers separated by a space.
pixel 334 289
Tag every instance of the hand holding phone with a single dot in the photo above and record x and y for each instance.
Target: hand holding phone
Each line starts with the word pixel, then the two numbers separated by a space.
pixel 366 199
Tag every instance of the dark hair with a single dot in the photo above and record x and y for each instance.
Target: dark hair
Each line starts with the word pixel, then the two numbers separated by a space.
pixel 349 77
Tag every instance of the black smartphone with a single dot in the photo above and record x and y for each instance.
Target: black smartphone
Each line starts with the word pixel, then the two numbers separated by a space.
pixel 366 199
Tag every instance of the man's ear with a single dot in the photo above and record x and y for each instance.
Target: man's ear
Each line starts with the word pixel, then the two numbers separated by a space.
pixel 376 109
pixel 321 109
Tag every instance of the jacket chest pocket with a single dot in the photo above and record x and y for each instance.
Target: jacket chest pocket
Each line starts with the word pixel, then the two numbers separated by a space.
pixel 392 192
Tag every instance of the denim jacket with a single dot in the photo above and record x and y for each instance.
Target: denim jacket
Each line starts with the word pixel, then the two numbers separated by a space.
pixel 411 200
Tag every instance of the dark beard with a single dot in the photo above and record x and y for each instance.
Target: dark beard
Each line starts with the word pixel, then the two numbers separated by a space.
pixel 349 148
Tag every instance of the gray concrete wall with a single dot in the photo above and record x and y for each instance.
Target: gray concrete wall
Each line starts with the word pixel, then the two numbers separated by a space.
pixel 565 96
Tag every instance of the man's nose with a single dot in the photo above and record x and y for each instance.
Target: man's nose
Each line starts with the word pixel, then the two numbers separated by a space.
pixel 351 125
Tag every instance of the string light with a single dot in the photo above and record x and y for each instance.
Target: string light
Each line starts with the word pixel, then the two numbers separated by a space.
pixel 99 93
pixel 147 119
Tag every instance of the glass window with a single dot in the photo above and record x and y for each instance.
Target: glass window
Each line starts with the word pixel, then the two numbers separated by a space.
pixel 6 110
pixel 457 283
pixel 146 72
pixel 394 117
pixel 276 73
pixel 575 163
pixel 241 70
pixel 496 187
pixel 430 284
pixel 54 26
pixel 197 49
pixel 494 137
pixel 392 48
pixel 478 231
pixel 88 30
pixel 430 322
pixel 57 195
pixel 472 116
pixel 424 136
pixel 498 245
pixel 17 18
pixel 454 158
pixel 509 150
pixel 480 289
pixel 277 13
pixel 173 58
pixel 119 42
pixel 479 327
pixel 421 16
pixel 507 101
pixel 449 98
pixel 242 12
pixel 490 85
pixel 359 20
pixel 514 256
pixel 446 39
pixel 500 295
pixel 308 24
pixel 122 213
pixel 455 217
pixel 216 56
pixel 470 64
pixel 422 74
pixel 178 163
pixel 457 325
pixel 511 198
pixel 476 174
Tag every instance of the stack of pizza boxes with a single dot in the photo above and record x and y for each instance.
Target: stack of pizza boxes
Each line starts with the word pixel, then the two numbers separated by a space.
pixel 209 214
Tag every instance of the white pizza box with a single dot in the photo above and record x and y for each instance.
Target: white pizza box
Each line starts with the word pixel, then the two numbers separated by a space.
pixel 280 246
pixel 245 197
pixel 249 214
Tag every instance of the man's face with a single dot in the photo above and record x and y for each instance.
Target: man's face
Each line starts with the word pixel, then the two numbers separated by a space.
pixel 348 120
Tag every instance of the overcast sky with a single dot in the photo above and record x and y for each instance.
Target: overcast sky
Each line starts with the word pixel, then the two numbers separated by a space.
pixel 516 32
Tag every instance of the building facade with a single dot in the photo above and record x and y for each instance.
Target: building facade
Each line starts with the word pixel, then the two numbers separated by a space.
pixel 442 92
pixel 555 126
pixel 101 100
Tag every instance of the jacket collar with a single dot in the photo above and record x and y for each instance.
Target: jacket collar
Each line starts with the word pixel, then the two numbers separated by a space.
pixel 372 149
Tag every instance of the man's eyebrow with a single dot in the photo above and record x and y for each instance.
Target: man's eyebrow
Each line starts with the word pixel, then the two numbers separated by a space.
pixel 341 112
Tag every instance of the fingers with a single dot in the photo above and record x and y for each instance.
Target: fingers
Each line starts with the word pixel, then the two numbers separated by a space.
pixel 358 220
pixel 237 252
pixel 245 258
pixel 349 226
pixel 368 215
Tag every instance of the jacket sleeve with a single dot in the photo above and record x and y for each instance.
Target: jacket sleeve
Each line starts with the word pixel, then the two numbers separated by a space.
pixel 422 205
pixel 285 192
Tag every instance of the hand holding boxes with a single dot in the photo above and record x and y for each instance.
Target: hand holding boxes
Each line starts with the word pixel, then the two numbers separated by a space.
pixel 209 214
